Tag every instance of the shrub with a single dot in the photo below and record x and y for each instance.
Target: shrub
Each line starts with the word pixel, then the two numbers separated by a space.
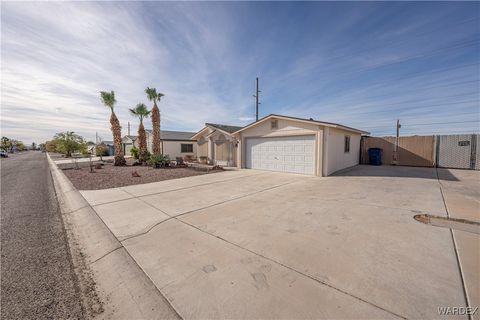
pixel 101 150
pixel 158 161
pixel 134 152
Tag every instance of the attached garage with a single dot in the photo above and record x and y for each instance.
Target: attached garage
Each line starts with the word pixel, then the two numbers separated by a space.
pixel 295 145
pixel 286 154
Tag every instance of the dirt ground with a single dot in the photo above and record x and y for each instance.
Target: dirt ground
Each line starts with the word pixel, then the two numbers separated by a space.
pixel 112 177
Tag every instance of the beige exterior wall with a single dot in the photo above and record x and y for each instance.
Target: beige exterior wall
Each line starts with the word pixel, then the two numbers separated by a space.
pixel 335 157
pixel 219 147
pixel 329 146
pixel 285 128
pixel 202 149
pixel 173 148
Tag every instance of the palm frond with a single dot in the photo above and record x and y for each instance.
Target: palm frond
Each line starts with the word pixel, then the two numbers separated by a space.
pixel 140 111
pixel 151 93
pixel 108 98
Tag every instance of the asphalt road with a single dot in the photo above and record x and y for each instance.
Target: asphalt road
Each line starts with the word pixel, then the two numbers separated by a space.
pixel 37 278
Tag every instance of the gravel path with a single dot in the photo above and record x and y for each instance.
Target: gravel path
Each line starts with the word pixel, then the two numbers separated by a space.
pixel 37 279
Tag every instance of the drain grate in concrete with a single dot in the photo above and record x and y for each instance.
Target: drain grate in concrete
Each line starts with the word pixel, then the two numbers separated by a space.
pixel 451 223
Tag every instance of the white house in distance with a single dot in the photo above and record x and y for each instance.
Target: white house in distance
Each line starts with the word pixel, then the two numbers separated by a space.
pixel 172 143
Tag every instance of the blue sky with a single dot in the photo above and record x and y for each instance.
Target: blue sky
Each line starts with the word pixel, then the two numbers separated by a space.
pixel 362 64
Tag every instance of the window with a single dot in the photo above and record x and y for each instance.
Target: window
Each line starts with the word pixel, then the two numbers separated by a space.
pixel 274 124
pixel 187 147
pixel 347 144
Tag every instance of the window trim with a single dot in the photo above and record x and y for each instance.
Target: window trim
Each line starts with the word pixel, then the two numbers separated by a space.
pixel 188 146
pixel 346 147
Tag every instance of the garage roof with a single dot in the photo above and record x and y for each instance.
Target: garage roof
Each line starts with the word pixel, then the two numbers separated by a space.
pixel 322 123
pixel 224 127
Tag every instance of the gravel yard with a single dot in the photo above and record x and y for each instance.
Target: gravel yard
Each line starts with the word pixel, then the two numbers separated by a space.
pixel 112 177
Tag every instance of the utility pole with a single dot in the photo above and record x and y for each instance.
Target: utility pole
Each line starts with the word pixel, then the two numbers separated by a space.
pixel 128 127
pixel 256 95
pixel 397 138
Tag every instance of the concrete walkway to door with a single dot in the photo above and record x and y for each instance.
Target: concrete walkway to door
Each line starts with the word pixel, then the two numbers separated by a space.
pixel 254 244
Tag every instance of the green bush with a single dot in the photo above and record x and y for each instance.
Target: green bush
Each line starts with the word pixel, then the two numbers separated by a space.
pixel 134 152
pixel 158 161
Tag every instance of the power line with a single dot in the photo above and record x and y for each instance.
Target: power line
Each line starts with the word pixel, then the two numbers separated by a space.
pixel 416 118
pixel 419 89
pixel 425 124
pixel 432 123
pixel 395 43
pixel 420 100
pixel 412 107
pixel 459 45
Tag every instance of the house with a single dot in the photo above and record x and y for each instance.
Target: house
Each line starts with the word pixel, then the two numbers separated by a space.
pixel 217 143
pixel 109 147
pixel 172 143
pixel 289 144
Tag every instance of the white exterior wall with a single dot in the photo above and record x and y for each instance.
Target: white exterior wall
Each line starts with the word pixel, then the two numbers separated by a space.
pixel 335 157
pixel 174 148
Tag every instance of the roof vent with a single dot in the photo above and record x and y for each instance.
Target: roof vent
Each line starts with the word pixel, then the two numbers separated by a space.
pixel 311 119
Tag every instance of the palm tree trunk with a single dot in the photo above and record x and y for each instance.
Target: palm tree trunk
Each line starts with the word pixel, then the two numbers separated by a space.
pixel 156 129
pixel 117 140
pixel 142 143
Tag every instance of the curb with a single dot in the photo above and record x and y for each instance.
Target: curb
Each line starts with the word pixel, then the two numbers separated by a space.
pixel 111 283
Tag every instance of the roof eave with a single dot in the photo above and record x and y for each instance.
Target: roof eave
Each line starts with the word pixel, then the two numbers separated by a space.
pixel 325 124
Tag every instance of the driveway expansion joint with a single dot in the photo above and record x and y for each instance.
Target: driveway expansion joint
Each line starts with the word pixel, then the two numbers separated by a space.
pixel 195 210
pixel 167 191
pixel 253 252
pixel 455 247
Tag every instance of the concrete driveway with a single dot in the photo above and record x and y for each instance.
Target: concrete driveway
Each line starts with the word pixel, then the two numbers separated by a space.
pixel 255 244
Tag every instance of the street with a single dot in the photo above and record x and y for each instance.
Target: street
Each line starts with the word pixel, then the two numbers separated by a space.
pixel 37 278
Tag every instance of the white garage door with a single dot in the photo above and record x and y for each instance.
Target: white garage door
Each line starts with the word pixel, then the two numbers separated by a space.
pixel 286 154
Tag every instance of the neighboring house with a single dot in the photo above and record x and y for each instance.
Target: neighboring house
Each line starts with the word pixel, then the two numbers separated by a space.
pixel 172 143
pixel 217 144
pixel 109 147
pixel 91 147
pixel 288 144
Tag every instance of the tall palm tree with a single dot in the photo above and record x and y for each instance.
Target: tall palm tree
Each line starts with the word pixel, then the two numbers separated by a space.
pixel 108 99
pixel 141 112
pixel 154 96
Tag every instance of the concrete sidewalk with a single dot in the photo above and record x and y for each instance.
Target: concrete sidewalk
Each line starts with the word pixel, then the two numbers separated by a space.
pixel 253 244
pixel 111 283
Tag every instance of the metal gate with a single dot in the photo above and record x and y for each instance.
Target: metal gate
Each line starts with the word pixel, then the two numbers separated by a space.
pixel 458 151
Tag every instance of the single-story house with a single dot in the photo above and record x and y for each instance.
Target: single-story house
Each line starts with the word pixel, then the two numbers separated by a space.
pixel 289 144
pixel 172 143
pixel 217 143
pixel 109 147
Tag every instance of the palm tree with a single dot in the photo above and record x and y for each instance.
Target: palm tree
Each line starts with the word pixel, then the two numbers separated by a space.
pixel 141 112
pixel 154 96
pixel 108 99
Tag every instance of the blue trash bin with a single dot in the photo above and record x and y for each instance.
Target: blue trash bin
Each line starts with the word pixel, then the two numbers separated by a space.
pixel 375 156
